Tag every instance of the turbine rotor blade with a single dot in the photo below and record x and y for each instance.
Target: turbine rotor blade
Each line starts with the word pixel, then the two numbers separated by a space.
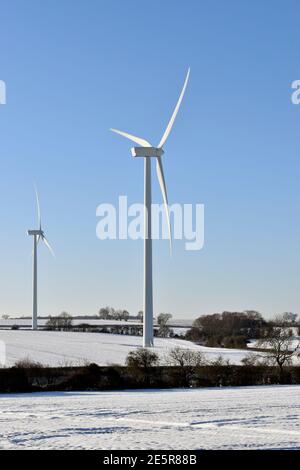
pixel 48 245
pixel 162 184
pixel 137 140
pixel 38 207
pixel 171 122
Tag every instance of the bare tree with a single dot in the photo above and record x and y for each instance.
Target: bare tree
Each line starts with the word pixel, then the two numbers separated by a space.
pixel 64 321
pixel 278 342
pixel 162 320
pixel 143 358
pixel 5 317
pixel 220 361
pixel 113 314
pixel 27 363
pixel 186 362
pixel 117 314
pixel 125 315
pixel 289 317
pixel 104 313
pixel 185 358
pixel 251 360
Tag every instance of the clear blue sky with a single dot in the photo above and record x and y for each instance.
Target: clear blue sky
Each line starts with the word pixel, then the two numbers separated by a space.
pixel 74 69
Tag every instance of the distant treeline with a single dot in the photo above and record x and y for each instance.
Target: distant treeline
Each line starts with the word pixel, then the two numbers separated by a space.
pixel 227 329
pixel 64 322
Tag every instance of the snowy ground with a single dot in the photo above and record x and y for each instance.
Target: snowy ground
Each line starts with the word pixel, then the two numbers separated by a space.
pixel 69 348
pixel 233 418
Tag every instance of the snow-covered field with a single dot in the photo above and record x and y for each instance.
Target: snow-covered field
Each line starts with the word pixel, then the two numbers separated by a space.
pixel 235 418
pixel 69 348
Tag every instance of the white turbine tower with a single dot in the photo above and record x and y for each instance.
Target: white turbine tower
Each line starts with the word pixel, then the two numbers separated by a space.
pixel 37 236
pixel 146 150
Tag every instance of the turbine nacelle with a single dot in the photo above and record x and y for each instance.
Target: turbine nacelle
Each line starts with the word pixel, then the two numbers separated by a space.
pixel 35 232
pixel 146 152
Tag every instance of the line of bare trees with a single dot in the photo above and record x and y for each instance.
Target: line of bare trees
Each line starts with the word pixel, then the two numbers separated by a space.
pixel 110 313
pixel 62 322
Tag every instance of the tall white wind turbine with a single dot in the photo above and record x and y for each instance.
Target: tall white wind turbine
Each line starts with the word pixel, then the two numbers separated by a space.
pixel 37 236
pixel 146 150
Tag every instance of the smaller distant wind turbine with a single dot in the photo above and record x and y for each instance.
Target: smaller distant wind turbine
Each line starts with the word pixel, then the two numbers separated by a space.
pixel 37 236
pixel 146 151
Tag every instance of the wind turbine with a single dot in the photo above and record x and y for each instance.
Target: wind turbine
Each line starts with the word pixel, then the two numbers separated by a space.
pixel 146 150
pixel 37 236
